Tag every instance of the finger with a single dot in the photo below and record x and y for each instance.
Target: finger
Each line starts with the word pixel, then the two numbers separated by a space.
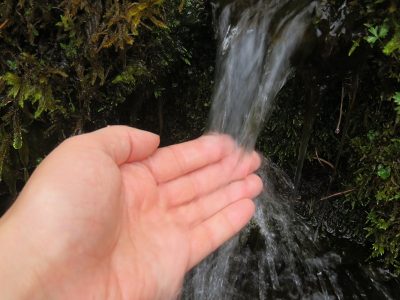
pixel 198 211
pixel 212 233
pixel 122 143
pixel 171 162
pixel 201 182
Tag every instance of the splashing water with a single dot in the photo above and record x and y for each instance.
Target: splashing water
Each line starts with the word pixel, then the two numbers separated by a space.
pixel 271 259
pixel 253 64
pixel 275 257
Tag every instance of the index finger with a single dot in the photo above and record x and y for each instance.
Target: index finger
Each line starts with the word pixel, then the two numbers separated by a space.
pixel 174 161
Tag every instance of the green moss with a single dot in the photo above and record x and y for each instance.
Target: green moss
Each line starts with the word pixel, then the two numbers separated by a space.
pixel 72 66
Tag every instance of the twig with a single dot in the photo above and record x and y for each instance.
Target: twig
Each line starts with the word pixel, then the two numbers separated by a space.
pixel 338 194
pixel 321 161
pixel 337 131
pixel 3 25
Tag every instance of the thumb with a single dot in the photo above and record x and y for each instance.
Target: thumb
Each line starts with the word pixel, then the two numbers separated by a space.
pixel 124 144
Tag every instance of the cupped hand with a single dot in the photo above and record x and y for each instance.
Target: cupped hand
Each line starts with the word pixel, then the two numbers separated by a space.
pixel 107 215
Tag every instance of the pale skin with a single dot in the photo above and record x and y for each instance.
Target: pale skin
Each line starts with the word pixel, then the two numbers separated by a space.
pixel 109 215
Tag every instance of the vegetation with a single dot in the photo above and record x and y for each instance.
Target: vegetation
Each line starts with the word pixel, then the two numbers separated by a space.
pixel 71 66
pixel 353 153
pixel 75 65
pixel 377 173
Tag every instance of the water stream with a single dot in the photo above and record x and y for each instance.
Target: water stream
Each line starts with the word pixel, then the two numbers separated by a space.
pixel 256 44
pixel 276 256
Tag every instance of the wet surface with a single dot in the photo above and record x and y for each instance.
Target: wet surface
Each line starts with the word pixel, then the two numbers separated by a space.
pixel 293 248
pixel 278 256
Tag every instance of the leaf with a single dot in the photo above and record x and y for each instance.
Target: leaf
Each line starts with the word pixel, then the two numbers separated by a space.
pixel 17 140
pixel 158 23
pixel 12 64
pixel 66 23
pixel 384 172
pixel 371 135
pixel 374 31
pixel 14 82
pixel 13 91
pixel 134 25
pixel 11 78
pixel 371 39
pixel 40 109
pixel 382 224
pixel 355 45
pixel 396 98
pixel 383 31
pixel 186 61
pixel 381 196
pixel 181 6
pixel 393 45
pixel 58 72
pixel 136 9
pixel 379 250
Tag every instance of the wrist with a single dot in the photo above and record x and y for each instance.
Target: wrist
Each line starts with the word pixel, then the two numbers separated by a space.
pixel 19 274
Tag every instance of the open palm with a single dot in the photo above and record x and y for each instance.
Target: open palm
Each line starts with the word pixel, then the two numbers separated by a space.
pixel 108 215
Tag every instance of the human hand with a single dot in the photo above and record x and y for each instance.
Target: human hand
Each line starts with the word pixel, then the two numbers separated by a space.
pixel 108 215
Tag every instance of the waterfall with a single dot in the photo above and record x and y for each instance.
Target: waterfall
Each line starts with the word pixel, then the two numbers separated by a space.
pixel 275 256
pixel 253 62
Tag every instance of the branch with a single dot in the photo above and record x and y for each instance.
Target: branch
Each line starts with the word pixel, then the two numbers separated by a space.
pixel 338 194
pixel 321 160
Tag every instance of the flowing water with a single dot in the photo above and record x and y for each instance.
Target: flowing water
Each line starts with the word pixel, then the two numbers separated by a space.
pixel 253 62
pixel 276 256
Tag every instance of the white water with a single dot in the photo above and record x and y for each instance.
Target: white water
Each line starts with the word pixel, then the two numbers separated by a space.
pixel 275 257
pixel 253 64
